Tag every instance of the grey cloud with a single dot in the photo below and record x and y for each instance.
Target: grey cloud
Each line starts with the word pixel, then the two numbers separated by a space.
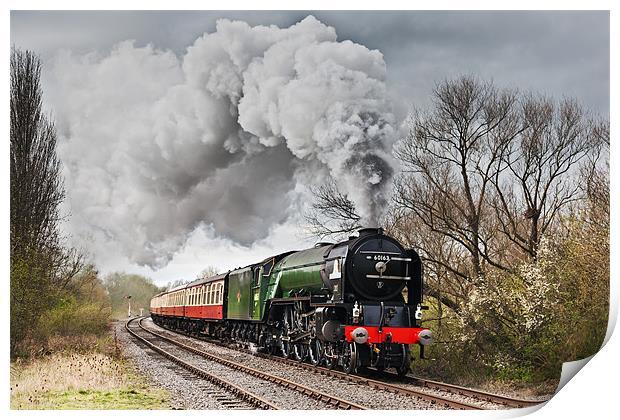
pixel 558 52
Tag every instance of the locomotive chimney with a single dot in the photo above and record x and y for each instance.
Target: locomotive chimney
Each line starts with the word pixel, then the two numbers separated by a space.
pixel 370 231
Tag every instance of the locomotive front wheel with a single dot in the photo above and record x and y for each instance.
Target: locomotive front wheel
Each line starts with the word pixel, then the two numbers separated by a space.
pixel 349 358
pixel 403 369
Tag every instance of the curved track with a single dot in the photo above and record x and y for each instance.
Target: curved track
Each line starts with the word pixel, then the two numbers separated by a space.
pixel 241 395
pixel 327 399
pixel 400 386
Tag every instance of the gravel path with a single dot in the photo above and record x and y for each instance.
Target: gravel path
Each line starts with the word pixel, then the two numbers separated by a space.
pixel 363 395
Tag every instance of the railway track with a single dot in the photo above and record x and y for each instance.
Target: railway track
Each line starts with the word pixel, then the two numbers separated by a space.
pixel 240 398
pixel 474 393
pixel 320 396
pixel 400 386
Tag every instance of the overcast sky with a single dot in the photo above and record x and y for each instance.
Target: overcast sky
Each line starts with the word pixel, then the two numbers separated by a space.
pixel 556 53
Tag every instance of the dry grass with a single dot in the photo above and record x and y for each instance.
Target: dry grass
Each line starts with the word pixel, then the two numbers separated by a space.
pixel 80 381
pixel 73 372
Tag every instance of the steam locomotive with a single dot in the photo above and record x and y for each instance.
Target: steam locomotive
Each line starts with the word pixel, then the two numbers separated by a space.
pixel 351 304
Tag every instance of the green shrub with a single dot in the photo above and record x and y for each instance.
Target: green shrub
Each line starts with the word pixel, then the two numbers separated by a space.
pixel 71 318
pixel 521 327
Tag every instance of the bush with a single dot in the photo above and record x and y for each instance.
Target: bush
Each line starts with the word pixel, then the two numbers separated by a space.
pixel 71 318
pixel 75 314
pixel 31 295
pixel 523 326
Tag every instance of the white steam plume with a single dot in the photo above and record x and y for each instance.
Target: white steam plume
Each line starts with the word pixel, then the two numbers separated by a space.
pixel 155 146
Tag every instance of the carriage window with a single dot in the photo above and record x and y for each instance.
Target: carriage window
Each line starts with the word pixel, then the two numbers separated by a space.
pixel 217 295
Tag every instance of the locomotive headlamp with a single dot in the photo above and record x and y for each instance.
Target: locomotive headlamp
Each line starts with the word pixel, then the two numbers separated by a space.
pixel 425 337
pixel 356 313
pixel 359 335
pixel 418 312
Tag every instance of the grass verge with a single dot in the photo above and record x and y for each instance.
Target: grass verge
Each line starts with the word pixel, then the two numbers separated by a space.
pixel 81 381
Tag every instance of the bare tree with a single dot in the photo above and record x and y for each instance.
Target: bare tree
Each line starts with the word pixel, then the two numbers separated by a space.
pixel 449 160
pixel 486 174
pixel 595 175
pixel 209 271
pixel 36 183
pixel 176 283
pixel 541 165
pixel 333 214
pixel 40 265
